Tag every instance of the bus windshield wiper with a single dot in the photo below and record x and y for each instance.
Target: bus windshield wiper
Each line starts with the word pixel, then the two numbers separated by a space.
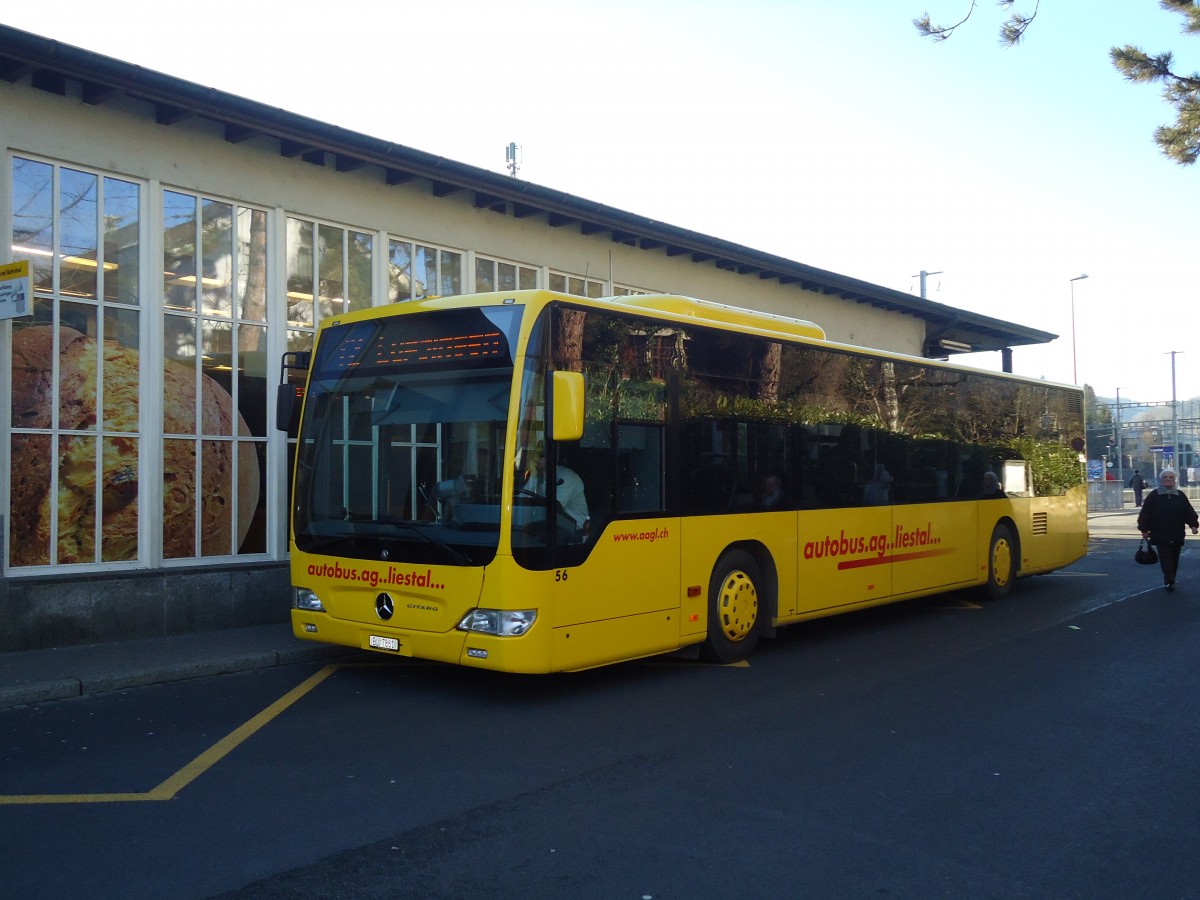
pixel 324 542
pixel 418 528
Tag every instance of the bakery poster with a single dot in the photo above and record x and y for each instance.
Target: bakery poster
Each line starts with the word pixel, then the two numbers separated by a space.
pixel 15 290
pixel 206 457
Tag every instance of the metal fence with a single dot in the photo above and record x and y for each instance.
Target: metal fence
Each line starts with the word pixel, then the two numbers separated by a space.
pixel 1107 495
pixel 1114 495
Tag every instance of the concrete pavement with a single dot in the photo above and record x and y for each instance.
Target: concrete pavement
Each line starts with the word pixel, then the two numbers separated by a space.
pixel 34 676
pixel 1114 523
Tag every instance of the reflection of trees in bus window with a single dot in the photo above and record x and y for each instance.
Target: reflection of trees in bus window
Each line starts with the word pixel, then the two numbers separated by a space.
pixel 723 374
pixel 985 410
pixel 624 360
pixel 621 455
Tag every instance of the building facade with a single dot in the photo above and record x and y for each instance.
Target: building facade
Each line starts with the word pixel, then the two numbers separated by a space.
pixel 178 241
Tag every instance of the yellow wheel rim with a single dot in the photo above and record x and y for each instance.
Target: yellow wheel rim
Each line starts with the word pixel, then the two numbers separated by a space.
pixel 1002 563
pixel 737 606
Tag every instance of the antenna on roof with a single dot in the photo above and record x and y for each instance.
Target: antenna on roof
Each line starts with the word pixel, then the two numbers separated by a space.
pixel 924 277
pixel 512 155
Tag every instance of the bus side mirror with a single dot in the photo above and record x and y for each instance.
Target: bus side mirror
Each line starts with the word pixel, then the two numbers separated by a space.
pixel 567 396
pixel 288 398
pixel 289 395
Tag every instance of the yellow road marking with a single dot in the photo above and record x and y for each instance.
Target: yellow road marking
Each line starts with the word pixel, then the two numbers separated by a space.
pixel 169 788
pixel 193 770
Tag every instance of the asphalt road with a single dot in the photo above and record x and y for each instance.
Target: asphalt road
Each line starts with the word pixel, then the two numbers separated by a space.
pixel 1041 746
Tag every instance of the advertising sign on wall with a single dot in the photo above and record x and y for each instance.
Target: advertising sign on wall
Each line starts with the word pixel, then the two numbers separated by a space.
pixel 15 290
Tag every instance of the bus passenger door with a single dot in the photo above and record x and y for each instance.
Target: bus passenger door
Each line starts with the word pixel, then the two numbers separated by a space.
pixel 623 600
pixel 643 551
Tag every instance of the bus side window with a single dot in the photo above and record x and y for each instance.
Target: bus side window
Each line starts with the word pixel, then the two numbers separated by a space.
pixel 640 463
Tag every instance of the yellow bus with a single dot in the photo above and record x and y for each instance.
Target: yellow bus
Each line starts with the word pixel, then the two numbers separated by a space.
pixel 534 482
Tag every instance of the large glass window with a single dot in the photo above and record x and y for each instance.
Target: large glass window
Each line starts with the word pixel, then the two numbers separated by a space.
pixel 329 271
pixel 416 271
pixel 76 368
pixel 497 275
pixel 214 385
pixel 574 284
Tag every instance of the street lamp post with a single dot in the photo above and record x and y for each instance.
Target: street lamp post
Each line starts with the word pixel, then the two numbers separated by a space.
pixel 1175 455
pixel 1120 451
pixel 1074 364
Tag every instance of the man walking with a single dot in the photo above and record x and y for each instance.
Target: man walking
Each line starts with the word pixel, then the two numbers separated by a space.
pixel 1138 484
pixel 1162 520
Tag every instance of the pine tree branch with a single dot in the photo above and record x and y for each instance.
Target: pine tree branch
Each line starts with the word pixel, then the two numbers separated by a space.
pixel 1013 30
pixel 940 32
pixel 1140 67
pixel 1186 8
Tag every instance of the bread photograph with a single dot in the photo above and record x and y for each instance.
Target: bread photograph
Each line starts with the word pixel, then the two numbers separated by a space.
pixel 104 481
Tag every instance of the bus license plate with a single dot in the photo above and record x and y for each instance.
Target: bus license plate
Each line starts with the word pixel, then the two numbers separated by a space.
pixel 383 643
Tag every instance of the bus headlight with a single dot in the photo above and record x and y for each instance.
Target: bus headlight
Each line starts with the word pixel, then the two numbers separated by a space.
pixel 500 622
pixel 303 598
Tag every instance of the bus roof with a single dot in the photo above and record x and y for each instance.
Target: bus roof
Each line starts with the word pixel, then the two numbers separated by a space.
pixel 721 314
pixel 669 307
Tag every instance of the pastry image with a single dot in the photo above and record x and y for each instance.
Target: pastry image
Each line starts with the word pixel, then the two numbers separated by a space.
pixel 221 528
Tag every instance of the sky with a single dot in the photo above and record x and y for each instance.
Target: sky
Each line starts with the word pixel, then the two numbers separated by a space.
pixel 829 133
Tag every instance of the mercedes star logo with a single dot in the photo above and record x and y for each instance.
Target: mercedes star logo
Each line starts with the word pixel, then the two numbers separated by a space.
pixel 384 607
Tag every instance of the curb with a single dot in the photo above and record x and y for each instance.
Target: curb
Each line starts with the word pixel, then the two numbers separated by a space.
pixel 181 670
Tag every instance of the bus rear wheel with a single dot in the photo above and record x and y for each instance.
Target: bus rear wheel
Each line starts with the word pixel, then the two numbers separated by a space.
pixel 735 608
pixel 1002 563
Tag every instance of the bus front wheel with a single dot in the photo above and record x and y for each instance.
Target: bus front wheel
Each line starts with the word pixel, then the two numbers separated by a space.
pixel 1002 563
pixel 735 608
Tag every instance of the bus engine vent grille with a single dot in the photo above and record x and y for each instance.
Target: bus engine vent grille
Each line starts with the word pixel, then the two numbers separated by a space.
pixel 1041 523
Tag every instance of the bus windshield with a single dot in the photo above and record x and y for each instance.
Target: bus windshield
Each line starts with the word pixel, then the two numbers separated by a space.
pixel 401 451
